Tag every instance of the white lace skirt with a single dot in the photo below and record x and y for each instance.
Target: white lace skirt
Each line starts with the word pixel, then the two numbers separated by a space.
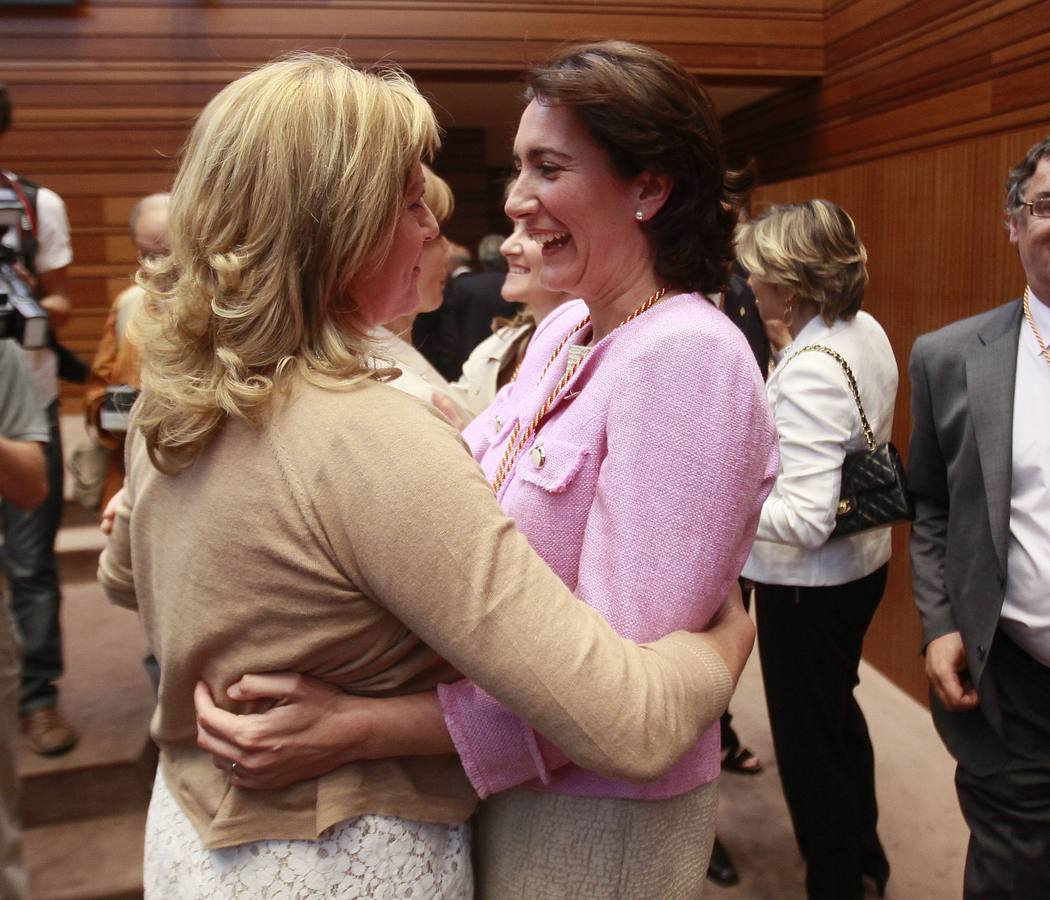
pixel 369 856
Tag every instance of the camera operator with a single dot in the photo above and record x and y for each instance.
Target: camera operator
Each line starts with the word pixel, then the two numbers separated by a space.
pixel 40 244
pixel 23 483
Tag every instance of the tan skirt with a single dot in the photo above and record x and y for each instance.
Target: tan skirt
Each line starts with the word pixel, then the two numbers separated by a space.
pixel 548 847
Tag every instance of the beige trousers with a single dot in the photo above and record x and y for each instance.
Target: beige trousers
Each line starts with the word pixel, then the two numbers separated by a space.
pixel 13 885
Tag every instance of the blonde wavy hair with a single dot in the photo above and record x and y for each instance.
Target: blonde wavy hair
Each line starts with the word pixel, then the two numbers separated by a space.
pixel 811 248
pixel 291 183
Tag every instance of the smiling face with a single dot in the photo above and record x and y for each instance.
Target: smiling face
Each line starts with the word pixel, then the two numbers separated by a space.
pixel 524 281
pixel 388 290
pixel 1032 234
pixel 577 207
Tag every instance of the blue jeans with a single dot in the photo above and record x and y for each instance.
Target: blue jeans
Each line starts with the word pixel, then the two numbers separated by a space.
pixel 29 558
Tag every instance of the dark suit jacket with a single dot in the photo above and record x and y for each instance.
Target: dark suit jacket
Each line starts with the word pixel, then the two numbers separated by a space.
pixel 447 336
pixel 739 305
pixel 959 468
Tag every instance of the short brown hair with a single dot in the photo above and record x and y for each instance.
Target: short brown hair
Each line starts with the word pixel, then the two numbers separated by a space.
pixel 650 115
pixel 811 248
pixel 1017 180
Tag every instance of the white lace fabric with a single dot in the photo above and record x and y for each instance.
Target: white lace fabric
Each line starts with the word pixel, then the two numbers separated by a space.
pixel 381 857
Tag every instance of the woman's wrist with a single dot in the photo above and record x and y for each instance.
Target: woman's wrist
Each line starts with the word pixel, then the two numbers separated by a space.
pixel 411 725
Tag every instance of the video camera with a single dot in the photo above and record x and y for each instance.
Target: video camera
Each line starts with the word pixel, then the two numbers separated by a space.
pixel 21 317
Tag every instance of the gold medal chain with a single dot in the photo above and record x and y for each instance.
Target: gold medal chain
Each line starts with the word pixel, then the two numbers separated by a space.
pixel 1031 324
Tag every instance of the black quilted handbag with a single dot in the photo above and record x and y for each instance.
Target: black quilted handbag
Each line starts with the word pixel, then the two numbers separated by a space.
pixel 874 488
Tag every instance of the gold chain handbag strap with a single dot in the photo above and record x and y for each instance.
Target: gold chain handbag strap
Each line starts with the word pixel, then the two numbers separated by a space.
pixel 869 436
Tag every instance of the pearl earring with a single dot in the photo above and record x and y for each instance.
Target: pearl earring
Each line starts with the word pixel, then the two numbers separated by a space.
pixel 639 215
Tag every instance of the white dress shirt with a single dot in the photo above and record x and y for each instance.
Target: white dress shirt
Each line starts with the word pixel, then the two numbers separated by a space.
pixel 1025 616
pixel 818 424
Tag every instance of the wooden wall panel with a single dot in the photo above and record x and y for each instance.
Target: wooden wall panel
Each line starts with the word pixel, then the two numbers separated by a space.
pixel 933 224
pixel 901 75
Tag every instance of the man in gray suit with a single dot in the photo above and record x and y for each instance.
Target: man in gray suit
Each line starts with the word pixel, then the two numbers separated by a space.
pixel 980 547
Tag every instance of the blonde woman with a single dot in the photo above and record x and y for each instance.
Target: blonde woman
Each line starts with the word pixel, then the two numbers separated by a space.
pixel 815 597
pixel 285 509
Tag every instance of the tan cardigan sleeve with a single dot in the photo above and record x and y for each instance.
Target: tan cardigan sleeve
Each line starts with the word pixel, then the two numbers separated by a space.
pixel 409 515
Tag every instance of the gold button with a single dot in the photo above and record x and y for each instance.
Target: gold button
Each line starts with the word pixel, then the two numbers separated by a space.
pixel 538 456
pixel 743 312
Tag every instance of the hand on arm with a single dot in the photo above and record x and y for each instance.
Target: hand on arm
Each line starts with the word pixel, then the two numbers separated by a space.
pixel 109 514
pixel 450 410
pixel 947 670
pixel 732 633
pixel 309 727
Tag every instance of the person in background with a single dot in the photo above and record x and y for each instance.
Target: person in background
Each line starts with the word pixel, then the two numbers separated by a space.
pixel 979 467
pixel 418 377
pixel 43 250
pixel 116 359
pixel 495 361
pixel 815 596
pixel 286 509
pixel 472 301
pixel 459 260
pixel 23 483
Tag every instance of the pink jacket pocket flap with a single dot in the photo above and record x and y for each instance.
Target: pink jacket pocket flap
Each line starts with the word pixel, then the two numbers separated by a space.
pixel 552 464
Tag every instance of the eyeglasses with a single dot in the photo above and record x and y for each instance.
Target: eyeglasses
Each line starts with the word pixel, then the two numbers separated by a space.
pixel 1040 207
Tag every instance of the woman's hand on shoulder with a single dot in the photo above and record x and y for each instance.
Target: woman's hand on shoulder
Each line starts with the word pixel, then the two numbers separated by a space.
pixel 732 633
pixel 109 514
pixel 310 728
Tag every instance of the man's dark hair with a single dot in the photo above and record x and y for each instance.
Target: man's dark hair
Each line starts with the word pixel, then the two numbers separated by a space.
pixel 1017 180
pixel 5 109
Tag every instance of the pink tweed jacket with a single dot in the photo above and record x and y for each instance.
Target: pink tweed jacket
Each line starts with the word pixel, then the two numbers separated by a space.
pixel 655 463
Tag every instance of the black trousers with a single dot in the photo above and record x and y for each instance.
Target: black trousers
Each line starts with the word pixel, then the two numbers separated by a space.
pixel 809 642
pixel 1008 811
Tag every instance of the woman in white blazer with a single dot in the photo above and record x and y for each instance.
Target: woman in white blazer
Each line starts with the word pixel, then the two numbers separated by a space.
pixel 816 596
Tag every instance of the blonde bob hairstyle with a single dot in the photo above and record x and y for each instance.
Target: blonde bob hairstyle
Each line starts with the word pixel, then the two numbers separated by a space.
pixel 291 184
pixel 437 195
pixel 812 249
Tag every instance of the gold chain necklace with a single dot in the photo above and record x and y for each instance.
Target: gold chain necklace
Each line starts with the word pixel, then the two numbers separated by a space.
pixel 1031 324
pixel 518 437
